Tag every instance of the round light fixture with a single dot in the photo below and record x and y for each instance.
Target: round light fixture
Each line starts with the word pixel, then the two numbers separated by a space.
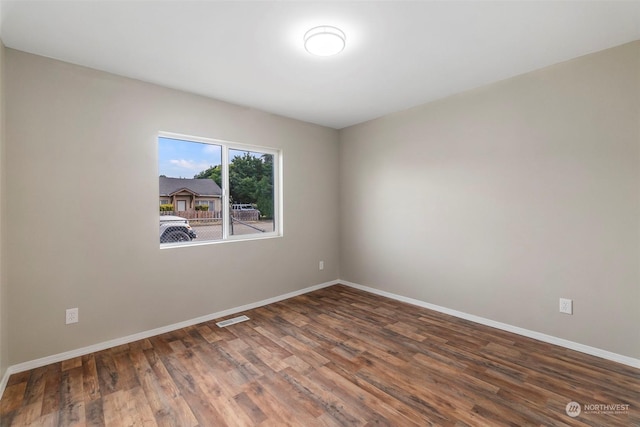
pixel 324 40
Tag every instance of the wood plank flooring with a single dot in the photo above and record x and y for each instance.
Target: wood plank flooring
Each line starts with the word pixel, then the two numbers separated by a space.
pixel 334 357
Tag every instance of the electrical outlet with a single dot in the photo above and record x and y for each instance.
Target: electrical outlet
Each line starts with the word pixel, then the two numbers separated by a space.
pixel 566 306
pixel 321 265
pixel 72 315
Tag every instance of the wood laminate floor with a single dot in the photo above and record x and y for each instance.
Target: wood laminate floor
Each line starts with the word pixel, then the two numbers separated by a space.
pixel 334 357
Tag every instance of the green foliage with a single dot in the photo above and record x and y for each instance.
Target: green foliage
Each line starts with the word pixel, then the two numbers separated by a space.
pixel 251 182
pixel 202 207
pixel 166 208
pixel 214 173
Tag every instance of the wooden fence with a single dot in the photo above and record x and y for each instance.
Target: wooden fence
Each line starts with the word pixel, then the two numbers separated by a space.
pixel 246 215
pixel 194 214
pixel 242 215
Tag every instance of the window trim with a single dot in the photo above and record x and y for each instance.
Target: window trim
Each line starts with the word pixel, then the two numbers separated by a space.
pixel 277 188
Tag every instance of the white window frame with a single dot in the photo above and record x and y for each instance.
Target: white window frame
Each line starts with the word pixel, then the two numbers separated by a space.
pixel 277 188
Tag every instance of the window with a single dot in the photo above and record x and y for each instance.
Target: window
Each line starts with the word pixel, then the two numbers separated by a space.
pixel 212 191
pixel 206 205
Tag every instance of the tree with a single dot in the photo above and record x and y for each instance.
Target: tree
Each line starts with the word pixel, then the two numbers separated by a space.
pixel 214 173
pixel 244 173
pixel 250 181
pixel 264 187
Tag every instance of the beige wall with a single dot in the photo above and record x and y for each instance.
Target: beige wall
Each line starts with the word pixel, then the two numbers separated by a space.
pixel 499 201
pixel 4 334
pixel 495 202
pixel 70 131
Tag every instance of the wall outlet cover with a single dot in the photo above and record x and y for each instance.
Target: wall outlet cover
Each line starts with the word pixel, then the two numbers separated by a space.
pixel 566 306
pixel 72 315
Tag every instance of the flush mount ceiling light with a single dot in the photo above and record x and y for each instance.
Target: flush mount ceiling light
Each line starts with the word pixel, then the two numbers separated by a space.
pixel 324 40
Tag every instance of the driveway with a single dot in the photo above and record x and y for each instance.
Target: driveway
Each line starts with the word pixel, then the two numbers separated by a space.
pixel 214 232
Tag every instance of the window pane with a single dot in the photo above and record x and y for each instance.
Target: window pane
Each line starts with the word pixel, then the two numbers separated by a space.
pixel 251 192
pixel 209 191
pixel 191 183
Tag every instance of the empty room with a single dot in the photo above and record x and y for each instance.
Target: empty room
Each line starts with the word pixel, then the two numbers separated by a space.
pixel 310 213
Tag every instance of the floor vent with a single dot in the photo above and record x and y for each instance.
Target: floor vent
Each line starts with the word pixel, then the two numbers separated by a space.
pixel 233 321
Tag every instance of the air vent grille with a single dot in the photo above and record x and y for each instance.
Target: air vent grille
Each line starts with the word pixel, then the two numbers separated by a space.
pixel 232 321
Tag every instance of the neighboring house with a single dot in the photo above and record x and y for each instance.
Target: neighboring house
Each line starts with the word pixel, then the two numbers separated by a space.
pixel 186 193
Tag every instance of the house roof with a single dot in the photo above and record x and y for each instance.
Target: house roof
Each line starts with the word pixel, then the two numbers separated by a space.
pixel 199 187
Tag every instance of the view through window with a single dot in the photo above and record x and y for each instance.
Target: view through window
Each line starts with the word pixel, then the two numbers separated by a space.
pixel 195 206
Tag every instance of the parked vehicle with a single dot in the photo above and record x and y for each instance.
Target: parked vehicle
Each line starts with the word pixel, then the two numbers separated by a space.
pixel 245 212
pixel 175 229
pixel 243 207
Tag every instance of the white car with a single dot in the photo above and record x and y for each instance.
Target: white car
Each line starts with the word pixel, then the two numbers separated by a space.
pixel 175 229
pixel 243 207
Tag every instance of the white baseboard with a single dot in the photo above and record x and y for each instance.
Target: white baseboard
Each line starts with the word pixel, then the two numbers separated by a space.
pixel 37 363
pixel 153 332
pixel 4 380
pixel 625 360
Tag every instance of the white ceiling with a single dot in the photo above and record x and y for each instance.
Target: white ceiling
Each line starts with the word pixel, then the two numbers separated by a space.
pixel 398 54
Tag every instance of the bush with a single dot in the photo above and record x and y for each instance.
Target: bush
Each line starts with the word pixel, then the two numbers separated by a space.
pixel 202 207
pixel 166 208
